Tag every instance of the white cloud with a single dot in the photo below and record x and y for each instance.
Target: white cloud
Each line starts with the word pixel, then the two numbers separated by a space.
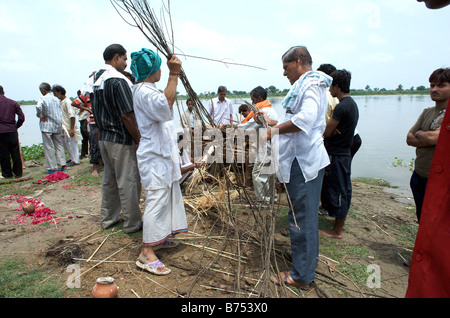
pixel 14 60
pixel 376 39
pixel 378 57
pixel 413 53
pixel 302 29
pixel 193 35
pixel 344 30
pixel 13 24
pixel 371 12
pixel 19 66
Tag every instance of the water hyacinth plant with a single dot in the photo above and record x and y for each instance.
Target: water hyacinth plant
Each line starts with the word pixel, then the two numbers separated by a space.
pixel 34 152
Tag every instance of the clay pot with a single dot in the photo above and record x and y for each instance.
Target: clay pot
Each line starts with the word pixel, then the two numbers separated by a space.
pixel 28 208
pixel 105 288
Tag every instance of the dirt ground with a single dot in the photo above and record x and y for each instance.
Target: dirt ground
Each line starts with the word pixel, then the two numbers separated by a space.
pixel 72 245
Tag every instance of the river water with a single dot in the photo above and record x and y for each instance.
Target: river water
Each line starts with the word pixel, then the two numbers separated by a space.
pixel 383 125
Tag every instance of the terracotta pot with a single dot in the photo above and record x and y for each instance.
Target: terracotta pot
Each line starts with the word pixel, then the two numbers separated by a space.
pixel 28 208
pixel 105 288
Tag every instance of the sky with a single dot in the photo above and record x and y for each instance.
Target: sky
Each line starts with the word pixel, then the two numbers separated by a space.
pixel 383 43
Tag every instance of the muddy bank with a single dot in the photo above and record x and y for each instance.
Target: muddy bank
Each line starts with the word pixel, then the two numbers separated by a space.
pixel 379 235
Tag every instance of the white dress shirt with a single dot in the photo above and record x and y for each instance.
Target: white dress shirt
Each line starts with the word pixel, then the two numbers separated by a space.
pixel 157 155
pixel 264 152
pixel 306 145
pixel 220 112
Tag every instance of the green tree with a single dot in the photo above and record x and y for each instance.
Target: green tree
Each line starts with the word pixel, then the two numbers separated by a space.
pixel 272 90
pixel 421 88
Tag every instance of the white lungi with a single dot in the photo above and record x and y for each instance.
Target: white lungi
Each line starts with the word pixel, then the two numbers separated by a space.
pixel 159 166
pixel 164 215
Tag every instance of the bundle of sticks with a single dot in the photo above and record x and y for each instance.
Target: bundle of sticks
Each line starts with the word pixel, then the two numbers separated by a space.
pixel 144 18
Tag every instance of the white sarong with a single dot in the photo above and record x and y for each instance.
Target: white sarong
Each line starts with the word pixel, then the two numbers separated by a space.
pixel 164 215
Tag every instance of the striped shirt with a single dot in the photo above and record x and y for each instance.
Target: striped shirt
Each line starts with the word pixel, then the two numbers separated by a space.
pixel 110 101
pixel 49 106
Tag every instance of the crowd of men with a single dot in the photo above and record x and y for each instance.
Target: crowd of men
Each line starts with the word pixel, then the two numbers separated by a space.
pixel 314 152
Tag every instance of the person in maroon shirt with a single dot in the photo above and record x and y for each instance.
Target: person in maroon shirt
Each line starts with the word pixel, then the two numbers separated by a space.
pixel 9 138
pixel 429 275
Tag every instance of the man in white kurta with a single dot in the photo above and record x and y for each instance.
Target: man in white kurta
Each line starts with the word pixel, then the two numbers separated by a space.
pixel 70 130
pixel 158 158
pixel 263 173
pixel 159 165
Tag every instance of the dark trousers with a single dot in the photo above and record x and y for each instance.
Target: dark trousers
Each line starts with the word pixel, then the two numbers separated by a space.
pixel 337 186
pixel 305 198
pixel 418 186
pixel 10 149
pixel 85 134
pixel 357 142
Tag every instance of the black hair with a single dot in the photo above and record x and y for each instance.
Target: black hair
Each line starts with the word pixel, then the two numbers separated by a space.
pixel 222 89
pixel 441 75
pixel 243 108
pixel 259 92
pixel 112 50
pixel 327 68
pixel 342 79
pixel 59 89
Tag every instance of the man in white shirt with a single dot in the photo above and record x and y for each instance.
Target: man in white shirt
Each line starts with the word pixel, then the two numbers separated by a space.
pixel 48 109
pixel 221 108
pixel 189 119
pixel 71 132
pixel 263 173
pixel 158 157
pixel 302 159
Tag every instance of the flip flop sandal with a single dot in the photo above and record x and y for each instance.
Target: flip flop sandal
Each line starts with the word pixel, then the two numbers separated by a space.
pixel 166 244
pixel 153 267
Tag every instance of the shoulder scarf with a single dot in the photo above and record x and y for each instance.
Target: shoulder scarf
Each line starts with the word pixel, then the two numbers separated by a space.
pixel 259 106
pixel 110 72
pixel 307 80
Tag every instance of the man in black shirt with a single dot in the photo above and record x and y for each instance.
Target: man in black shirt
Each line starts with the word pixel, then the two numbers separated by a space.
pixel 339 134
pixel 112 105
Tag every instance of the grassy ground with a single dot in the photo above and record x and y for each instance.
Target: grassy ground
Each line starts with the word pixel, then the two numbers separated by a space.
pixel 374 234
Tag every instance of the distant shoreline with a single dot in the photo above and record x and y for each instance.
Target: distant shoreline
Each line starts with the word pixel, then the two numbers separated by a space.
pixel 353 92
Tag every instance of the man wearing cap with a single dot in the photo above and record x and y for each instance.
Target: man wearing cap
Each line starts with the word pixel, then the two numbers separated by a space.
pixel 112 105
pixel 158 157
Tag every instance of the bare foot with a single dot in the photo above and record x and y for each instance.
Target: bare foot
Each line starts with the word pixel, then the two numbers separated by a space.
pixel 331 233
pixel 333 222
pixel 94 173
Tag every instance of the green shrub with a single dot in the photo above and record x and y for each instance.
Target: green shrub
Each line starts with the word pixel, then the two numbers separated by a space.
pixel 34 152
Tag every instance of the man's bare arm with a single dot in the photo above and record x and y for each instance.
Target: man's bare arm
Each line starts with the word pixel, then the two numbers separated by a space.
pixel 130 124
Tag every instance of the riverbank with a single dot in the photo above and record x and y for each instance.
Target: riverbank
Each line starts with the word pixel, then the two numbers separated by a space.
pixel 379 235
pixel 231 95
